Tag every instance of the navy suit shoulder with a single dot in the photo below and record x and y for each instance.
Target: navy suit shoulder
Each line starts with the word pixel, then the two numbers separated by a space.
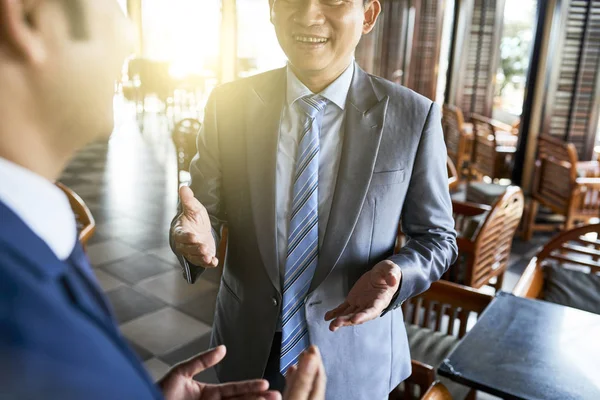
pixel 51 345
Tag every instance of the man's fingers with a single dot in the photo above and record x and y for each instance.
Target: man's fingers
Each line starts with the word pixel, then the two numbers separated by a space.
pixel 244 388
pixel 203 361
pixel 336 311
pixel 364 316
pixel 262 396
pixel 318 392
pixel 189 203
pixel 340 322
pixel 185 237
pixel 300 387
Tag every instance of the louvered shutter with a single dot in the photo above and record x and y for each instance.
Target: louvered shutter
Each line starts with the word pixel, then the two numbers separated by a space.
pixel 573 97
pixel 479 57
pixel 425 53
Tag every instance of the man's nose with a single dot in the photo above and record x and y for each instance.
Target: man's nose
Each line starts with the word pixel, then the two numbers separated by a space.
pixel 309 13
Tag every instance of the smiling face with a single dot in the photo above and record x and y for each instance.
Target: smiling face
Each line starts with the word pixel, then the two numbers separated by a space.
pixel 320 36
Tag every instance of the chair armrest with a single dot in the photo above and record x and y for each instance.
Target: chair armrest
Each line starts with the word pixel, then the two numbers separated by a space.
pixel 465 245
pixel 469 209
pixel 531 283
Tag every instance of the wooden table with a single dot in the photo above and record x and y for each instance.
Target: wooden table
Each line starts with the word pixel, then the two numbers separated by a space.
pixel 529 349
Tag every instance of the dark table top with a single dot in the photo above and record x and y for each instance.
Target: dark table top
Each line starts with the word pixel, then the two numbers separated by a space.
pixel 529 349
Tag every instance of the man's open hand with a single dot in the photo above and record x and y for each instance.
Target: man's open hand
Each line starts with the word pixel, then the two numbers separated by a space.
pixel 369 297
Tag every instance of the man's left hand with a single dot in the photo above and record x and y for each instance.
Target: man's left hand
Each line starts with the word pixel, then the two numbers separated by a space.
pixel 179 384
pixel 369 297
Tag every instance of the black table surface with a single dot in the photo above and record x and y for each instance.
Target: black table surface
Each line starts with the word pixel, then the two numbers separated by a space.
pixel 529 349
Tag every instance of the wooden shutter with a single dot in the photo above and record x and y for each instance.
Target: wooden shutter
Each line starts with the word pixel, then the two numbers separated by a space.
pixel 476 56
pixel 425 54
pixel 573 96
pixel 405 45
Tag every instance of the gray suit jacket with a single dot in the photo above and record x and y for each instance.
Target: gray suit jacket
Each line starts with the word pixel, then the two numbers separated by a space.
pixel 393 166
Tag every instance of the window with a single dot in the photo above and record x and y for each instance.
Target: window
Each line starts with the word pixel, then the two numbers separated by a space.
pixel 515 48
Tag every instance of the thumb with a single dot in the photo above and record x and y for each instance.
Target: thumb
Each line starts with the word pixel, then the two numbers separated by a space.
pixel 188 201
pixel 201 362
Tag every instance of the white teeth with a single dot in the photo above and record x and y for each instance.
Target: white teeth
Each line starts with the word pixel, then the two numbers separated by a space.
pixel 308 39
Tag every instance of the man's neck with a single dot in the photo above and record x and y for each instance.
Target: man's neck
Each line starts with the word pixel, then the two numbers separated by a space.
pixel 318 81
pixel 32 152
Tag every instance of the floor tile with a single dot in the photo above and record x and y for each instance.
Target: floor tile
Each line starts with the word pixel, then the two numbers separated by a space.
pixel 107 282
pixel 164 331
pixel 156 368
pixel 173 289
pixel 137 268
pixel 142 353
pixel 128 304
pixel 164 253
pixel 106 252
pixel 202 307
pixel 191 349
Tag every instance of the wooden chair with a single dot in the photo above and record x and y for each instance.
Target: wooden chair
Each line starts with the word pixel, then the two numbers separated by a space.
pixel 570 249
pixel 453 179
pixel 437 391
pixel 436 321
pixel 184 137
pixel 564 185
pixel 458 136
pixel 86 225
pixel 493 147
pixel 485 239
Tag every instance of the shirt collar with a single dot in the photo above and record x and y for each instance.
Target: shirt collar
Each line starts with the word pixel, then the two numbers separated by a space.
pixel 41 205
pixel 336 92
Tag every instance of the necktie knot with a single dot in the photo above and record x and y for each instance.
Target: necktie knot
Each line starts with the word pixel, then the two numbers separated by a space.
pixel 312 105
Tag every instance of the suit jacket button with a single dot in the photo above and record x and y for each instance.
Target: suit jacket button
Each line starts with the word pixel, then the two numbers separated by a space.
pixel 275 301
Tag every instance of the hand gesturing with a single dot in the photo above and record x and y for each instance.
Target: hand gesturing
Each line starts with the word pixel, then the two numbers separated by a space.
pixel 369 297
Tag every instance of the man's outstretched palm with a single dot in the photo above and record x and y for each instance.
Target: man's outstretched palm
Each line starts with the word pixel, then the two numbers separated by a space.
pixel 369 297
pixel 179 384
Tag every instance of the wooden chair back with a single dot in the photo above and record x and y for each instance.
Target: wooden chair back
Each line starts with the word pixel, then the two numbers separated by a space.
pixel 453 179
pixel 485 254
pixel 446 307
pixel 578 247
pixel 437 391
pixel 458 143
pixel 486 159
pixel 184 138
pixel 86 225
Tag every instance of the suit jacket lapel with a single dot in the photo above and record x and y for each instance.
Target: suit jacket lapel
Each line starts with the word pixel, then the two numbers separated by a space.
pixel 365 118
pixel 265 102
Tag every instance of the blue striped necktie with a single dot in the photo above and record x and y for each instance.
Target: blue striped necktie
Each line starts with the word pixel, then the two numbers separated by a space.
pixel 303 238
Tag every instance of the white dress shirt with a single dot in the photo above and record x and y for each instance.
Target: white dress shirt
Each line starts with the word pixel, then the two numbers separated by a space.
pixel 331 136
pixel 43 207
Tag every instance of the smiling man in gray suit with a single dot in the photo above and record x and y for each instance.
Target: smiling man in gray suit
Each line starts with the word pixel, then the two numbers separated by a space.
pixel 312 167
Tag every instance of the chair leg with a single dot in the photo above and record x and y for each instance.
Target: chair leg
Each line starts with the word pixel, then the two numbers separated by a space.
pixel 472 395
pixel 499 282
pixel 530 220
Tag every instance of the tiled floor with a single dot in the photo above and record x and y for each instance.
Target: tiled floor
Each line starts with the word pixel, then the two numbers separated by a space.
pixel 130 185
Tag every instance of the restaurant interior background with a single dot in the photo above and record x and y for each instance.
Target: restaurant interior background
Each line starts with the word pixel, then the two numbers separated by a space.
pixel 519 86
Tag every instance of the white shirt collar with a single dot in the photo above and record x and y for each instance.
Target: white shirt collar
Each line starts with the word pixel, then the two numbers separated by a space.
pixel 43 207
pixel 336 92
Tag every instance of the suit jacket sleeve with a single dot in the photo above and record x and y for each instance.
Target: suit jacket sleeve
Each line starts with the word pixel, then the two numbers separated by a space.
pixel 427 216
pixel 205 170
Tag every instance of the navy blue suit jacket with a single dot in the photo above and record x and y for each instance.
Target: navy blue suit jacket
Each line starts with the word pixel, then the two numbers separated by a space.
pixel 58 338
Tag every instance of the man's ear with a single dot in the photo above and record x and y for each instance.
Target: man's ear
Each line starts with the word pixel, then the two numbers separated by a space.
pixel 271 4
pixel 19 33
pixel 372 11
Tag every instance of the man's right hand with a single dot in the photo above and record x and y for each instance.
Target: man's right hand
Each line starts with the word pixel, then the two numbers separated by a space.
pixel 192 232
pixel 307 380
